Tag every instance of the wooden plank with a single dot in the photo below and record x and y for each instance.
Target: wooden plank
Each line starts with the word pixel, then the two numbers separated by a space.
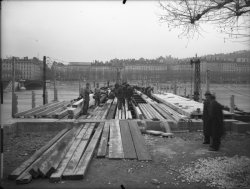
pixel 127 141
pixel 117 113
pixel 34 168
pixel 102 150
pixel 115 141
pixel 50 165
pixel 70 168
pixel 139 143
pixel 57 175
pixel 23 177
pixel 18 171
pixel 88 154
pixel 109 103
pixel 20 114
pixel 61 114
pixel 41 109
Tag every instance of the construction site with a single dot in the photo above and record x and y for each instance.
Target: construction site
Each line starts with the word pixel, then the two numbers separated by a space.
pixel 147 143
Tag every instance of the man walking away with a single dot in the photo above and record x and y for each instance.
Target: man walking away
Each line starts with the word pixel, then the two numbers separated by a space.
pixel 97 95
pixel 205 118
pixel 85 95
pixel 217 126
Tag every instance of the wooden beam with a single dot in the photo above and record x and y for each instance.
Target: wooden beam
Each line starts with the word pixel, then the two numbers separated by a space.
pixel 34 168
pixel 127 141
pixel 21 114
pixel 115 141
pixel 139 143
pixel 57 175
pixel 50 165
pixel 19 170
pixel 70 168
pixel 103 146
pixel 88 154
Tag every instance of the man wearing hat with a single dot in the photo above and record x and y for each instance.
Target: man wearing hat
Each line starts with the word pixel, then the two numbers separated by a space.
pixel 216 121
pixel 206 120
pixel 85 95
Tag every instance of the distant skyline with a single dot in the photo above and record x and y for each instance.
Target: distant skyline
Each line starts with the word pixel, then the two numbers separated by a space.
pixel 84 31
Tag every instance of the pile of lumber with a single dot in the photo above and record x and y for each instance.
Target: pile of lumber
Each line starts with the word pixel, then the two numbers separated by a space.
pixel 122 139
pixel 124 112
pixel 149 112
pixel 101 112
pixel 66 156
pixel 50 110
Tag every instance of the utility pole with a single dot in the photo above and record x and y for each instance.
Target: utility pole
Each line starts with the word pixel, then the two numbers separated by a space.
pixel 14 100
pixel 207 81
pixel 44 79
pixel 1 122
pixel 197 78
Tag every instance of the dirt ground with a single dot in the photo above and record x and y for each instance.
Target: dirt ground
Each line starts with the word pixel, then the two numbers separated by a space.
pixel 170 156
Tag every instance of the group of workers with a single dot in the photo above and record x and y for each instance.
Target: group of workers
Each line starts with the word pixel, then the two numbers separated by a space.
pixel 122 92
pixel 213 127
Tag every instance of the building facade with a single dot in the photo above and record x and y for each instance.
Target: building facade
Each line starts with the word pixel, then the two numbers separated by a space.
pixel 26 69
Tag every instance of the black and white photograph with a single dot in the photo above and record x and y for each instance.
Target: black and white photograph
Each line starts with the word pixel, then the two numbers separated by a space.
pixel 125 94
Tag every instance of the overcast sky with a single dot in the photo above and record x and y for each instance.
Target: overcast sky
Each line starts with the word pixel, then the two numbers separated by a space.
pixel 86 31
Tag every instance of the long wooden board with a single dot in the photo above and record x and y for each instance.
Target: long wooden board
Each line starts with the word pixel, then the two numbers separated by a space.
pixel 50 165
pixel 31 113
pixel 57 175
pixel 70 168
pixel 115 141
pixel 34 168
pixel 88 154
pixel 127 141
pixel 20 114
pixel 18 171
pixel 139 143
pixel 103 146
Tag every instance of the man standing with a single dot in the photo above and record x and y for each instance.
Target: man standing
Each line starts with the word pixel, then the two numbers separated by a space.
pixel 205 118
pixel 216 120
pixel 85 95
pixel 97 95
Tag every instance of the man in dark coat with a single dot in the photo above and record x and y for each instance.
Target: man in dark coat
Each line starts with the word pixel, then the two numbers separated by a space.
pixel 216 119
pixel 205 118
pixel 85 95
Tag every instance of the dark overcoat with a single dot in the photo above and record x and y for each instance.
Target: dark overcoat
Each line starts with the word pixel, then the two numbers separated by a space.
pixel 205 118
pixel 216 119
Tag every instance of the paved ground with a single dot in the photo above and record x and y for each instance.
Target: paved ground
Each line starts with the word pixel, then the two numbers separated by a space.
pixel 170 157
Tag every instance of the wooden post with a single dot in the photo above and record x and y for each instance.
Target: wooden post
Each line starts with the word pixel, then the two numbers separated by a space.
pixel 33 102
pixel 1 123
pixel 44 79
pixel 55 90
pixel 1 81
pixel 46 97
pixel 13 87
pixel 207 81
pixel 232 105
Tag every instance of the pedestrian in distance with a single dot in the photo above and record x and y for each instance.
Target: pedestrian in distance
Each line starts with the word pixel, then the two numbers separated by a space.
pixel 206 120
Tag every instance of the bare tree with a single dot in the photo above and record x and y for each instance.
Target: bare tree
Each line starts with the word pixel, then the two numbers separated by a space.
pixel 231 17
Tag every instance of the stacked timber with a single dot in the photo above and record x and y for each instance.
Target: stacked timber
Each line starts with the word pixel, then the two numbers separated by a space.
pixel 67 155
pixel 49 110
pixel 149 112
pixel 122 140
pixel 124 112
pixel 101 112
pixel 112 110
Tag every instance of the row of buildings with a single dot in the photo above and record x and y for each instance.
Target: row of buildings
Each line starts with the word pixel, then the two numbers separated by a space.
pixel 221 69
pixel 25 68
